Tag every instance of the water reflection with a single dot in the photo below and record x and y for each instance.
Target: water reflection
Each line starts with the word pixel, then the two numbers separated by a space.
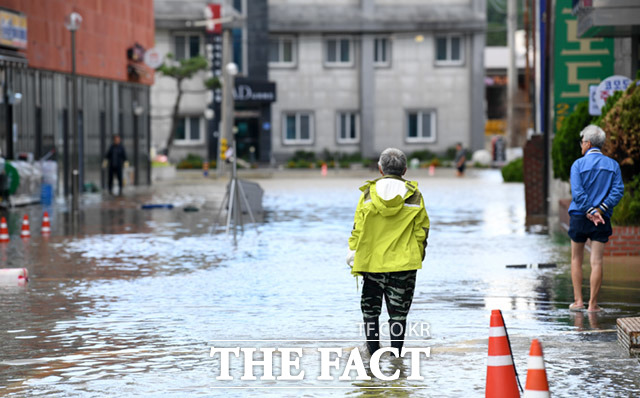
pixel 130 300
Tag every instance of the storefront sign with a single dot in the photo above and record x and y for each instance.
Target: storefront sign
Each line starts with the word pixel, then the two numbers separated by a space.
pixel 579 63
pixel 153 58
pixel 13 29
pixel 609 86
pixel 254 91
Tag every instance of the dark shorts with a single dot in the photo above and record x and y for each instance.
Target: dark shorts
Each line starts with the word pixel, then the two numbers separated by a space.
pixel 581 229
pixel 461 168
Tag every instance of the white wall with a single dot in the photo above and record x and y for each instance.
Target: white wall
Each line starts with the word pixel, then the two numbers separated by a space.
pixel 313 87
pixel 414 82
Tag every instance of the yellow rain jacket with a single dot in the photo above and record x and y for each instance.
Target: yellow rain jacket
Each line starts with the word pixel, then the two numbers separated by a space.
pixel 391 227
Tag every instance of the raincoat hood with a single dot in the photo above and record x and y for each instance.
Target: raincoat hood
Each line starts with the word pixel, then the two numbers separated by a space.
pixel 389 193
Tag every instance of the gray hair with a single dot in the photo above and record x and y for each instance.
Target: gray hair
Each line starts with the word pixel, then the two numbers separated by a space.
pixel 594 134
pixel 393 161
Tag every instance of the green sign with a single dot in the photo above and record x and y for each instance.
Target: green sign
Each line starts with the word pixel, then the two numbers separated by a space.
pixel 579 63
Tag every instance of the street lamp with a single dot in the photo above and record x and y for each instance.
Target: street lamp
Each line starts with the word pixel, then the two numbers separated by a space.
pixel 72 23
pixel 230 71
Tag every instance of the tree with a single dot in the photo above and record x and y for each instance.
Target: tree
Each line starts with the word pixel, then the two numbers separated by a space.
pixel 181 70
pixel 621 121
pixel 566 148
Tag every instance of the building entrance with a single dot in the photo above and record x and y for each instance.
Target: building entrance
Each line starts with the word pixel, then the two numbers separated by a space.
pixel 248 147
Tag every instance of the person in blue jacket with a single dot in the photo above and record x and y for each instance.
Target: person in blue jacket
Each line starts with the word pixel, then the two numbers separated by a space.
pixel 596 188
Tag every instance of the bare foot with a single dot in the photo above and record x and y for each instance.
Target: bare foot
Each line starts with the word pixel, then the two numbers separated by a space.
pixel 576 306
pixel 594 308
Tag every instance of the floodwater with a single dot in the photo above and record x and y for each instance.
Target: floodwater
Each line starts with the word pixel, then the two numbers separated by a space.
pixel 131 302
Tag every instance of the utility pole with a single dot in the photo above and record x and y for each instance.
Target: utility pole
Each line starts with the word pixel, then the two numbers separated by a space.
pixel 226 130
pixel 73 22
pixel 512 73
pixel 527 68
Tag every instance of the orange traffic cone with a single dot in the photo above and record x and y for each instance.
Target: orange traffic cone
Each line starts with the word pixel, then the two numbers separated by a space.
pixel 432 170
pixel 537 385
pixel 501 375
pixel 46 226
pixel 25 233
pixel 4 231
pixel 324 169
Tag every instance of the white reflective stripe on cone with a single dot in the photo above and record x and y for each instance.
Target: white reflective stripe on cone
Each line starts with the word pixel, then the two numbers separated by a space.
pixel 535 363
pixel 497 331
pixel 536 394
pixel 499 360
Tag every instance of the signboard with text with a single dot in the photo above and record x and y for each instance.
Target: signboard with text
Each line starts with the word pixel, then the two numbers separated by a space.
pixel 13 30
pixel 578 63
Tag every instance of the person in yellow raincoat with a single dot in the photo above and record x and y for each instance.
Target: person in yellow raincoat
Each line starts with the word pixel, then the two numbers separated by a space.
pixel 387 246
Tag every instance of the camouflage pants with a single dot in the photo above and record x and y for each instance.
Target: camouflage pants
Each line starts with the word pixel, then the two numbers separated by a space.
pixel 397 289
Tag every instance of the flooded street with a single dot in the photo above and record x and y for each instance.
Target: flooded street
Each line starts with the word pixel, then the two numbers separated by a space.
pixel 132 302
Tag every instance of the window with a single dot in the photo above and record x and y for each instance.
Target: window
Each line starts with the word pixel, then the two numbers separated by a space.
pixel 282 51
pixel 338 52
pixel 421 126
pixel 186 46
pixel 381 56
pixel 449 50
pixel 297 128
pixel 348 128
pixel 238 55
pixel 189 130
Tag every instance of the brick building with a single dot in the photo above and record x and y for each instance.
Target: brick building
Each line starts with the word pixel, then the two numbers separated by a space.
pixel 113 83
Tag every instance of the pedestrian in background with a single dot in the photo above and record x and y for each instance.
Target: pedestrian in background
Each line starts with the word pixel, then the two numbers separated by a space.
pixel 461 158
pixel 115 161
pixel 387 247
pixel 596 187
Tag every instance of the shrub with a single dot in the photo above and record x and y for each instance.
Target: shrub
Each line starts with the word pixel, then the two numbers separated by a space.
pixel 513 171
pixel 424 155
pixel 566 143
pixel 435 162
pixel 308 156
pixel 451 152
pixel 621 122
pixel 190 162
pixel 627 212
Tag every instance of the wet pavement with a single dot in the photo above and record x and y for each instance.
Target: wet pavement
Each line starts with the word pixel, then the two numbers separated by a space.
pixel 130 302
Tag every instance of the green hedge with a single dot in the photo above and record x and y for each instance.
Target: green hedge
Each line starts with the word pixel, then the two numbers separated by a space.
pixel 627 212
pixel 513 171
pixel 566 143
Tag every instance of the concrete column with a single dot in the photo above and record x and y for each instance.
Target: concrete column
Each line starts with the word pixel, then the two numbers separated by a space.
pixel 477 91
pixel 367 87
pixel 367 98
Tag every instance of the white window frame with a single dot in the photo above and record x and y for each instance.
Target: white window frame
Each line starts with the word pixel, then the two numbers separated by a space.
pixel 297 140
pixel 449 61
pixel 348 140
pixel 387 62
pixel 421 138
pixel 338 63
pixel 186 35
pixel 294 52
pixel 187 129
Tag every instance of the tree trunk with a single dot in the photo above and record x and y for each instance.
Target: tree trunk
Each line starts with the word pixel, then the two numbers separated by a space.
pixel 174 118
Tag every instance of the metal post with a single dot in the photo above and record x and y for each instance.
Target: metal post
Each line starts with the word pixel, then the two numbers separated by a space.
pixel 227 99
pixel 512 73
pixel 75 181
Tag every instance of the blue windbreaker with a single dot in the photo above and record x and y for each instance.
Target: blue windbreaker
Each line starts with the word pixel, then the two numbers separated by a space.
pixel 596 182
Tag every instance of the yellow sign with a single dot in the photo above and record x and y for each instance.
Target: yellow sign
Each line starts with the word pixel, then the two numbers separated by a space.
pixel 495 126
pixel 13 30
